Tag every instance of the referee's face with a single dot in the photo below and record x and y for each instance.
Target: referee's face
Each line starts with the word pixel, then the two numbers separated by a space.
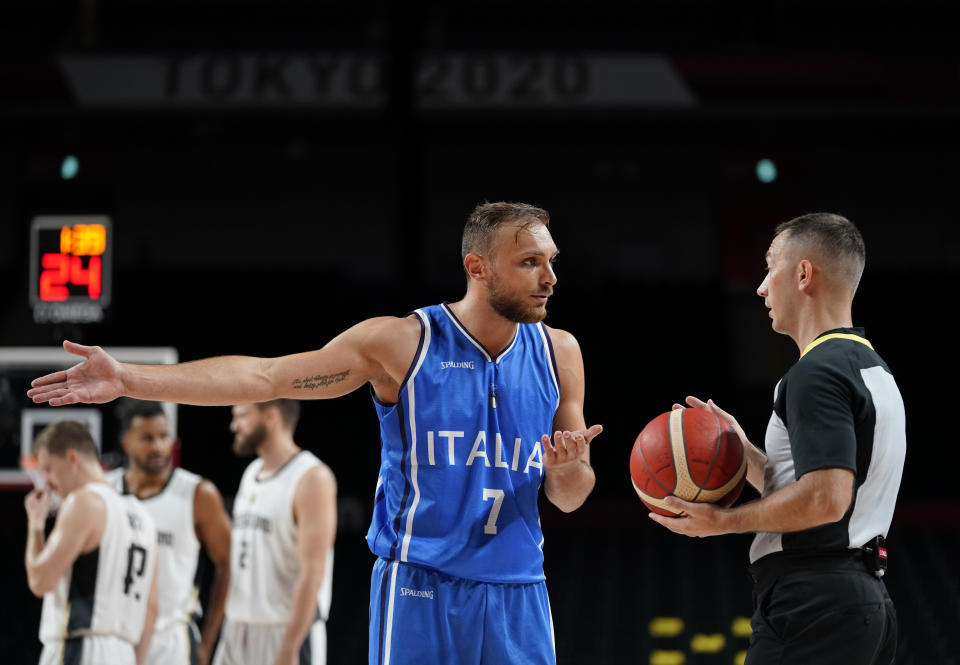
pixel 777 288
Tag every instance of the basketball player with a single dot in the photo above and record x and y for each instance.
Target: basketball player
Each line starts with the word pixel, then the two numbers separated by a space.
pixel 835 448
pixel 467 394
pixel 285 521
pixel 97 570
pixel 187 511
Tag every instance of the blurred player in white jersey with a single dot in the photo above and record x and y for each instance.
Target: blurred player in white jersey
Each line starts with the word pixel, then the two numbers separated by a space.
pixel 188 512
pixel 281 562
pixel 97 569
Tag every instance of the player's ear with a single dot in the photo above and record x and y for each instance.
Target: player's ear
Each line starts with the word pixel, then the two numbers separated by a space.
pixel 475 265
pixel 805 271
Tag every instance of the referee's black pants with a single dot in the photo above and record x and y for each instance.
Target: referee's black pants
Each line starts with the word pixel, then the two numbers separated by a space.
pixel 820 610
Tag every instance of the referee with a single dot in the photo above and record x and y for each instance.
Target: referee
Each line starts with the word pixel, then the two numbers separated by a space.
pixel 835 446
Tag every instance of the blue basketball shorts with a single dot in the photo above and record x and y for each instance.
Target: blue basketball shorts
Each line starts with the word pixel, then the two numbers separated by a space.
pixel 419 616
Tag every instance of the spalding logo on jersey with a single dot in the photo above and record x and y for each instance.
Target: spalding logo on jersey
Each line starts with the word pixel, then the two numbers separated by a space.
pixel 453 364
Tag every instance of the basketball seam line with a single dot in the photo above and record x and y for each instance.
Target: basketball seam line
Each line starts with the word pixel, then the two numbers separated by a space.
pixel 650 471
pixel 716 454
pixel 686 456
pixel 652 500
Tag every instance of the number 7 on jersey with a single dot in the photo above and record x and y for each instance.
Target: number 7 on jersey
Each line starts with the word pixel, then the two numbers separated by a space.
pixel 497 495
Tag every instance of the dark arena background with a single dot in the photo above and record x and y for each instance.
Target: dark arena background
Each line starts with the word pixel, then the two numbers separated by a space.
pixel 275 171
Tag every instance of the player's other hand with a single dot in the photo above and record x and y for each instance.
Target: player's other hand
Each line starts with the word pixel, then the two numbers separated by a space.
pixel 37 505
pixel 711 406
pixel 566 446
pixel 93 381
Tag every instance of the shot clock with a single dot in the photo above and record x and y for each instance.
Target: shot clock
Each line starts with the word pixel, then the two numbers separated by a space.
pixel 70 268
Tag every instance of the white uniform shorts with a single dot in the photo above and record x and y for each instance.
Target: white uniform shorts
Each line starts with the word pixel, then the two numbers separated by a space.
pixel 177 645
pixel 89 650
pixel 256 644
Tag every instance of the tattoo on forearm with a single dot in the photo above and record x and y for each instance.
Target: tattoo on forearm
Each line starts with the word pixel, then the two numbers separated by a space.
pixel 319 381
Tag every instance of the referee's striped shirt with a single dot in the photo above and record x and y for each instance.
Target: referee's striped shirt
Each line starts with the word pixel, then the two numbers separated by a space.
pixel 837 407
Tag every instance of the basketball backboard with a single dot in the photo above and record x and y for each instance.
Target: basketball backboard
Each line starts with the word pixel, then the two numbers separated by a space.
pixel 21 420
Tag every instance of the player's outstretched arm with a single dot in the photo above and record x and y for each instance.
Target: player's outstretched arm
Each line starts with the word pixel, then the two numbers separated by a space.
pixel 756 458
pixel 347 362
pixel 566 457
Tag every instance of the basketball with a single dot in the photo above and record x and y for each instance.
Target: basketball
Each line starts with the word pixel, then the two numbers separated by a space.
pixel 690 454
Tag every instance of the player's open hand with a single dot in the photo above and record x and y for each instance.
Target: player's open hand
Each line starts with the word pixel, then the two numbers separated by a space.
pixel 37 505
pixel 697 520
pixel 566 446
pixel 93 381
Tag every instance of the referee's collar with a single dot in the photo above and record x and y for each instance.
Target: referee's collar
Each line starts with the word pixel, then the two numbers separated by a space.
pixel 854 334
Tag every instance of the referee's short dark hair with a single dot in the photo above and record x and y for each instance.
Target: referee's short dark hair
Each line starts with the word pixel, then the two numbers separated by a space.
pixel 59 437
pixel 289 410
pixel 129 408
pixel 834 237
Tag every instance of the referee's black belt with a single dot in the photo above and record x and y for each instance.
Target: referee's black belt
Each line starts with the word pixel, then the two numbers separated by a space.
pixel 768 568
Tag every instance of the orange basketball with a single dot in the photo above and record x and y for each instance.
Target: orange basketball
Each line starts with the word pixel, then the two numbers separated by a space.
pixel 690 454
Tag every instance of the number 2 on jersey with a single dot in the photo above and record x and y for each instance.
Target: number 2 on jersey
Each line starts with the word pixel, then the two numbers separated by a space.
pixel 497 495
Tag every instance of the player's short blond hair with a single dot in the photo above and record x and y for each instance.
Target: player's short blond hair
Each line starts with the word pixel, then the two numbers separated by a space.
pixel 486 218
pixel 59 437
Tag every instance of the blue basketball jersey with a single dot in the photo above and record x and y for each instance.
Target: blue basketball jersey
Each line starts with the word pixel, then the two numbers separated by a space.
pixel 461 459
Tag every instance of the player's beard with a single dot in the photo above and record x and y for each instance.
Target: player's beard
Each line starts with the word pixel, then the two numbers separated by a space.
pixel 154 465
pixel 510 307
pixel 245 446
